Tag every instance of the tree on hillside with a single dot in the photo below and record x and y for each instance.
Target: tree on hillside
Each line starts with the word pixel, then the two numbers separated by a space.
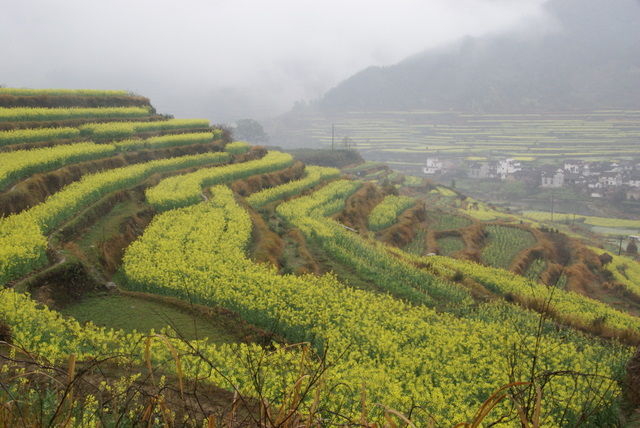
pixel 348 143
pixel 250 131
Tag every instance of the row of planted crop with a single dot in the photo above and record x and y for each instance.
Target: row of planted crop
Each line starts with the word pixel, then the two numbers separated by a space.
pixel 371 260
pixel 590 220
pixel 18 164
pixel 122 130
pixel 184 190
pixel 314 176
pixel 22 236
pixel 163 141
pixel 505 243
pixel 50 339
pixel 98 131
pixel 626 271
pixel 36 114
pixel 406 355
pixel 386 212
pixel 566 305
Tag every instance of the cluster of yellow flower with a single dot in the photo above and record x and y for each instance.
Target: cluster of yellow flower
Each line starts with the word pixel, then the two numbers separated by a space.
pixel 28 114
pixel 171 140
pixel 407 355
pixel 23 163
pixel 566 305
pixel 237 147
pixel 371 260
pixel 386 212
pixel 184 190
pixel 22 241
pixel 626 271
pixel 315 175
pixel 31 135
pixel 115 130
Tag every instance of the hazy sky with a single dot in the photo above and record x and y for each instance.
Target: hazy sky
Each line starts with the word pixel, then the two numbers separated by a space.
pixel 228 59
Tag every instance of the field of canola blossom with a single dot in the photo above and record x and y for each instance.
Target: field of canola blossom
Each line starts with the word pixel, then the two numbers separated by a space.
pixel 385 213
pixel 23 234
pixel 407 355
pixel 420 344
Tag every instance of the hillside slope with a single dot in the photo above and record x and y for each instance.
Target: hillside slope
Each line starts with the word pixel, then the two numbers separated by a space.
pixel 321 294
pixel 583 56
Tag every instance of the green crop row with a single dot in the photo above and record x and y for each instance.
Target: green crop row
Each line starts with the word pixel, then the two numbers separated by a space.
pixel 386 212
pixel 504 244
pixel 184 190
pixel 20 136
pixel 28 114
pixel 315 175
pixel 171 140
pixel 237 147
pixel 406 355
pixel 120 130
pixel 22 236
pixel 23 163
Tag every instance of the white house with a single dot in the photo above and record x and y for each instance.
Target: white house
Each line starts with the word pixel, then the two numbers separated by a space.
pixel 575 166
pixel 611 179
pixel 507 166
pixel 634 180
pixel 481 170
pixel 434 166
pixel 553 178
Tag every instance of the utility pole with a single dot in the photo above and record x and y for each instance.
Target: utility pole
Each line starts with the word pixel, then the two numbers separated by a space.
pixel 620 247
pixel 333 129
pixel 551 206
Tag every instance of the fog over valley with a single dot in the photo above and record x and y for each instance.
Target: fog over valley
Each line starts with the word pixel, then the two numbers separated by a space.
pixel 227 60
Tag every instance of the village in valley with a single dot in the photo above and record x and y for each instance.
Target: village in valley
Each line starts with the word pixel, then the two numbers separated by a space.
pixel 596 179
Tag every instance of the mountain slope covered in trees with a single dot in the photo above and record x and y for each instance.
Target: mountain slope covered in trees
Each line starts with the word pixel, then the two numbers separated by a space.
pixel 583 55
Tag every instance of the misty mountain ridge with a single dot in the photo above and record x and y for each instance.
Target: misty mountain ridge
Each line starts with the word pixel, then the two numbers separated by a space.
pixel 587 56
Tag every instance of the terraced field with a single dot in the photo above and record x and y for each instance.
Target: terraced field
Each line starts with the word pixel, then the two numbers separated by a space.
pixel 405 139
pixel 319 314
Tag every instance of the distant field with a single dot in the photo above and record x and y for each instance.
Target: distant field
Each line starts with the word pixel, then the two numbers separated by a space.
pixel 406 138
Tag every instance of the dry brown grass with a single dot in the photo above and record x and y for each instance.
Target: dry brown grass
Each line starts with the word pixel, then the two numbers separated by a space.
pixel 359 205
pixel 257 183
pixel 299 259
pixel 111 251
pixel 524 258
pixel 404 231
pixel 474 236
pixel 5 332
pixel 266 245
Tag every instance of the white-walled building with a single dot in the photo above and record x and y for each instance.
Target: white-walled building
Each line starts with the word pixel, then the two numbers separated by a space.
pixel 506 167
pixel 434 166
pixel 553 178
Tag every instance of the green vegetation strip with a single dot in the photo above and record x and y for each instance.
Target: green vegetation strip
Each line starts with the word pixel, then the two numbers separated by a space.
pixel 116 310
pixel 315 175
pixel 23 163
pixel 184 190
pixel 386 212
pixel 20 136
pixel 504 244
pixel 405 355
pixel 121 130
pixel 27 114
pixel 22 236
